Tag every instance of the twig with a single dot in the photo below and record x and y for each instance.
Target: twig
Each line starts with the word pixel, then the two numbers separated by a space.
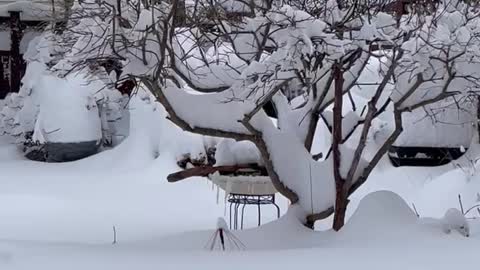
pixel 114 235
pixel 477 206
pixel 415 209
pixel 461 204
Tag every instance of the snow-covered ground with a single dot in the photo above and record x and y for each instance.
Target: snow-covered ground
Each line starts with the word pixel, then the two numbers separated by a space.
pixel 82 201
pixel 61 216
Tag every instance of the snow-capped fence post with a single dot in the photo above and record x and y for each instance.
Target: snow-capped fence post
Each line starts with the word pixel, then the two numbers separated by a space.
pixel 224 237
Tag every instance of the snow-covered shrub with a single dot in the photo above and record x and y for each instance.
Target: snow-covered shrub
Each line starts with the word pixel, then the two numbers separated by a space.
pixel 8 120
pixel 49 109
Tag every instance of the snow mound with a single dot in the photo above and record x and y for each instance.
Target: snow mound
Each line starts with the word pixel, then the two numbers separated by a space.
pixel 285 233
pixel 231 152
pixel 455 220
pixel 452 221
pixel 79 118
pixel 381 209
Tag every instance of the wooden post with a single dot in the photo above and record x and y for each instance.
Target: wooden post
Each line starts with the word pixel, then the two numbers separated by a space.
pixel 16 65
pixel 4 84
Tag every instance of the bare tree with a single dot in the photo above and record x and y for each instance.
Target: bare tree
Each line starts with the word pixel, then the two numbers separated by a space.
pixel 241 56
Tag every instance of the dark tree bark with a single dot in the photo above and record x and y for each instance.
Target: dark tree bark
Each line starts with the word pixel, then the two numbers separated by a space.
pixel 181 14
pixel 341 200
pixel 16 62
pixel 478 117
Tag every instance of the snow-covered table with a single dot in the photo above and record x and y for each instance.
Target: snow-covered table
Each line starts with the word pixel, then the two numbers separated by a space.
pixel 246 190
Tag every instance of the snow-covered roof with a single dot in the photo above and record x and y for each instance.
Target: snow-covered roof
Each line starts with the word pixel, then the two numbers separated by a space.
pixel 439 125
pixel 30 10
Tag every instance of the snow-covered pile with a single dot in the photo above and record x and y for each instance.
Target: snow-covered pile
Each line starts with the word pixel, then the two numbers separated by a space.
pixel 80 107
pixel 453 221
pixel 150 126
pixel 382 220
pixel 68 111
pixel 379 209
pixel 231 152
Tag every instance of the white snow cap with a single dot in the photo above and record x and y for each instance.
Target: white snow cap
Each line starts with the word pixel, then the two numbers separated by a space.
pixel 222 224
pixel 231 152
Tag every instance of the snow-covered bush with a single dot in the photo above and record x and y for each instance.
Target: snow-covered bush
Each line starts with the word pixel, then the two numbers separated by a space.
pixel 63 108
pixel 8 120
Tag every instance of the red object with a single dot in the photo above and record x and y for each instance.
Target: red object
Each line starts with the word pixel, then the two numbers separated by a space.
pixel 127 87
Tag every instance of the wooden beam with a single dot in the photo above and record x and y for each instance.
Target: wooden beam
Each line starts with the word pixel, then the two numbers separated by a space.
pixel 208 169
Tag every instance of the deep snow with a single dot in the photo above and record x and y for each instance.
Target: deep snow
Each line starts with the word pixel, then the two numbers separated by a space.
pixel 60 216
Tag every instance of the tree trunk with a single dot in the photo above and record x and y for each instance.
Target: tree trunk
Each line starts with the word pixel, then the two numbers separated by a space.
pixel 478 118
pixel 180 14
pixel 341 199
pixel 62 21
pixel 341 203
